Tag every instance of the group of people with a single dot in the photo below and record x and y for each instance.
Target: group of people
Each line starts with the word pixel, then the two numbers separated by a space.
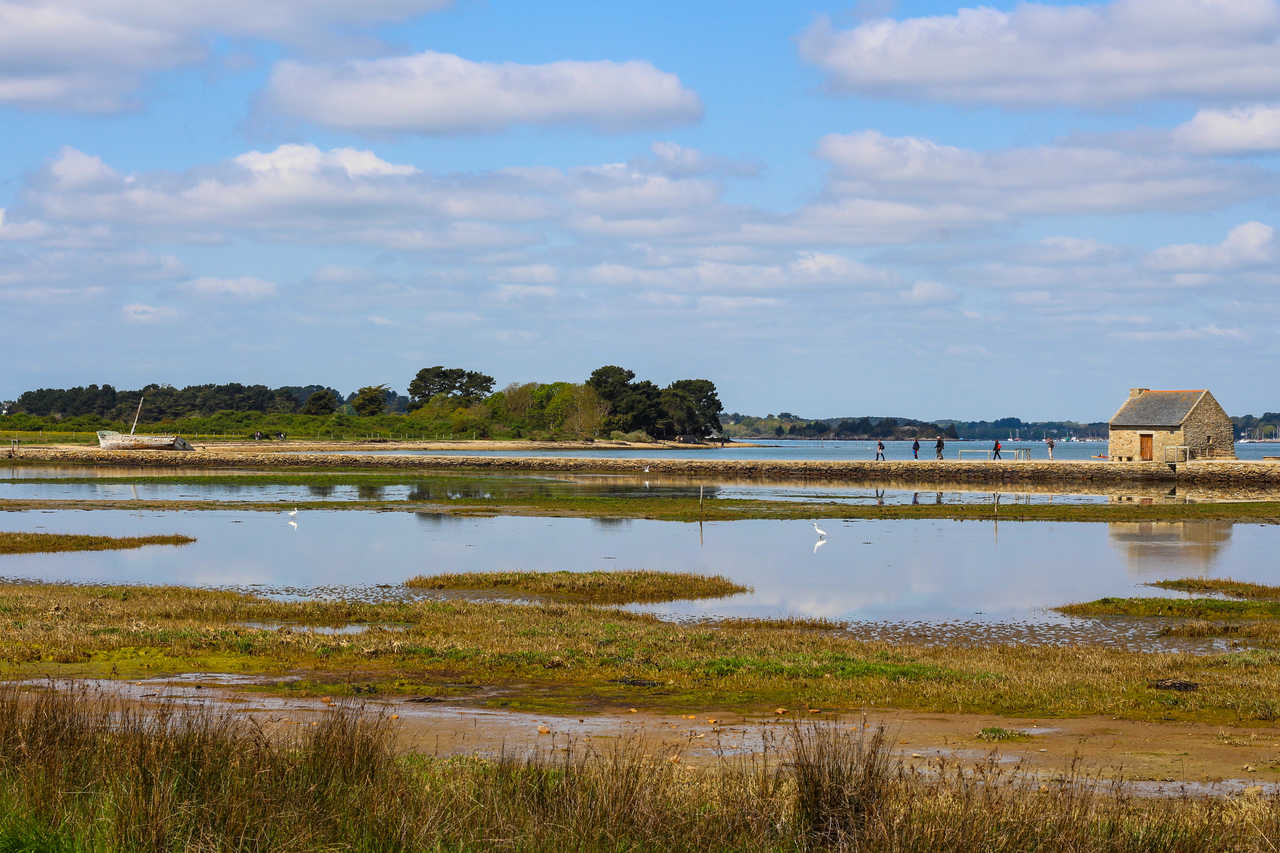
pixel 940 444
pixel 915 448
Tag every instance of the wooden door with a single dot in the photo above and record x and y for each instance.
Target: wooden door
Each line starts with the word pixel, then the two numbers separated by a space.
pixel 1144 442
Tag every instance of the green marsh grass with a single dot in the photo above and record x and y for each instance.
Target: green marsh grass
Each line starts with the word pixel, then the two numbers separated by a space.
pixel 572 658
pixel 1174 608
pixel 996 734
pixel 1222 586
pixel 83 773
pixel 32 543
pixel 620 587
pixel 1250 614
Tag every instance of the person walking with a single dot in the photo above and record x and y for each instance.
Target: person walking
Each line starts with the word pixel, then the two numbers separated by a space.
pixel 915 448
pixel 995 450
pixel 879 450
pixel 1050 449
pixel 938 447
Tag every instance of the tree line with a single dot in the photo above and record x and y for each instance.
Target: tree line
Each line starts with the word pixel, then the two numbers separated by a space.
pixel 788 425
pixel 442 401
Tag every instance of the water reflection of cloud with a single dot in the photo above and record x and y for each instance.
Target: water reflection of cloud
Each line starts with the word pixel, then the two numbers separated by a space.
pixel 926 570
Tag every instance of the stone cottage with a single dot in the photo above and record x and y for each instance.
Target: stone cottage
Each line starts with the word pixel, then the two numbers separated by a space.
pixel 1153 422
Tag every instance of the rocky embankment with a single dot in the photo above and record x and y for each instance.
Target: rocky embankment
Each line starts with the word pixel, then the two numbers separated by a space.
pixel 1227 474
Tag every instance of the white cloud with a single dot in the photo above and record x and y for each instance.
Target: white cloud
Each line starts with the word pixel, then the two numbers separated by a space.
pixel 804 270
pixel 294 192
pixel 929 293
pixel 141 313
pixel 92 55
pixel 1251 244
pixel 1038 54
pixel 522 292
pixel 245 287
pixel 310 160
pixel 441 93
pixel 50 295
pixel 730 304
pixel 1041 179
pixel 527 273
pixel 1198 333
pixel 1240 130
pixel 21 230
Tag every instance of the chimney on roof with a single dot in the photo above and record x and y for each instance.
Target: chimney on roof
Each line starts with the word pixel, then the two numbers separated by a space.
pixel 1137 392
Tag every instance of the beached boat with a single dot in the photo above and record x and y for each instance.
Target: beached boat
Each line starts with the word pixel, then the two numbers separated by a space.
pixel 112 440
pixel 109 439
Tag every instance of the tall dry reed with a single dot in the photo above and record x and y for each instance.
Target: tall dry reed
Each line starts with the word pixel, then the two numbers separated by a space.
pixel 81 773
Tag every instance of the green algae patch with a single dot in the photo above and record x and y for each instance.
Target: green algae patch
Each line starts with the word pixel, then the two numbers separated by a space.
pixel 1175 608
pixel 1222 586
pixel 45 543
pixel 623 587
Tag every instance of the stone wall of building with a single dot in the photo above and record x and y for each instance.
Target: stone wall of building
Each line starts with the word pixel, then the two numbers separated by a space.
pixel 1125 445
pixel 1208 431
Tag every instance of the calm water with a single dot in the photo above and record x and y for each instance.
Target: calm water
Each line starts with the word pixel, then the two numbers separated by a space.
pixel 903 572
pixel 25 484
pixel 824 451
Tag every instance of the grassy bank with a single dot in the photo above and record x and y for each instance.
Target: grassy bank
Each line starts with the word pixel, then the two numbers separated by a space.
pixel 32 543
pixel 624 587
pixel 573 659
pixel 1249 617
pixel 1222 586
pixel 663 508
pixel 81 775
pixel 1174 608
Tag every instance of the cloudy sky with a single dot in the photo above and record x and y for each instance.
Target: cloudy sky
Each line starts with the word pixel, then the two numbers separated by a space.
pixel 908 208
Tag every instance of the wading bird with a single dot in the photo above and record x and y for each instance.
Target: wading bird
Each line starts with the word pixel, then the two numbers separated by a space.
pixel 819 530
pixel 293 511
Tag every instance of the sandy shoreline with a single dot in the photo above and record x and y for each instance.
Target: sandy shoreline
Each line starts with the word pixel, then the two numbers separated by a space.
pixel 1076 473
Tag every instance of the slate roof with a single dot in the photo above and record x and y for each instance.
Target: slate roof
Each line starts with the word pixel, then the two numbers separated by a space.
pixel 1157 409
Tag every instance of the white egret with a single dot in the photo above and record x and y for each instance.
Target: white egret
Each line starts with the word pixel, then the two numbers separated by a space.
pixel 819 530
pixel 293 511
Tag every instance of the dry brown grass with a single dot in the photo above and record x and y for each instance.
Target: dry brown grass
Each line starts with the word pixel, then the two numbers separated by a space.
pixel 80 774
pixel 621 587
pixel 32 543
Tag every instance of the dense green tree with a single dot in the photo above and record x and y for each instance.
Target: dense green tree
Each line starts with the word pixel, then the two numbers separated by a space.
pixel 468 386
pixel 370 400
pixel 611 382
pixel 706 403
pixel 321 403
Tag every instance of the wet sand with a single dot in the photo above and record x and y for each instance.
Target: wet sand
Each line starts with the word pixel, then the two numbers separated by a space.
pixel 1157 757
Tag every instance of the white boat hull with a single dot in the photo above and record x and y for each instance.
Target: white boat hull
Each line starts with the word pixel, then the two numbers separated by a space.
pixel 111 440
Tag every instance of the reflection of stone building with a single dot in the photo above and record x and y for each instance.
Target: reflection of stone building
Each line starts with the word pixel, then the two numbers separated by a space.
pixel 1151 422
pixel 1166 548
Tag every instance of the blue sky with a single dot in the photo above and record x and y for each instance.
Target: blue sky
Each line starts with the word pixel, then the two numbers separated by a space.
pixel 922 209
